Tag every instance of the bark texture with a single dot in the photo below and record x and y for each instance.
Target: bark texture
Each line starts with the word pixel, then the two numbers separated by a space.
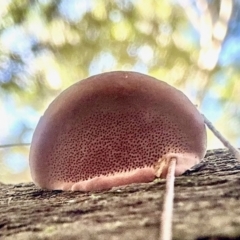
pixel 206 206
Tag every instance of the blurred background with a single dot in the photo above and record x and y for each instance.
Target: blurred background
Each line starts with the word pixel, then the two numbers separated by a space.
pixel 46 45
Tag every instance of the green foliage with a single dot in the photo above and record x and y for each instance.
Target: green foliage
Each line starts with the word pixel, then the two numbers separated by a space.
pixel 55 43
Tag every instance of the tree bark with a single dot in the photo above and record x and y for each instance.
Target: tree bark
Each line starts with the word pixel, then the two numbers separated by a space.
pixel 206 206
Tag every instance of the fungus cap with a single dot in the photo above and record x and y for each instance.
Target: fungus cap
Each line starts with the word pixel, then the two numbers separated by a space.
pixel 114 129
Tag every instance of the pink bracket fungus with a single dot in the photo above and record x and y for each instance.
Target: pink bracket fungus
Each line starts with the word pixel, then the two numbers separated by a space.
pixel 114 129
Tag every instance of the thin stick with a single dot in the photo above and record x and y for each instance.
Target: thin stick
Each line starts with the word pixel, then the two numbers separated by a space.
pixel 167 214
pixel 14 145
pixel 224 141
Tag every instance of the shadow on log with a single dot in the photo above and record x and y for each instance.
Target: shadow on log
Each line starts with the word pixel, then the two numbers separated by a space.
pixel 206 206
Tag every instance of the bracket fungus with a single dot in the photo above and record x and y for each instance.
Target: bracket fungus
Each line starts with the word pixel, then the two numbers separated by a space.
pixel 114 129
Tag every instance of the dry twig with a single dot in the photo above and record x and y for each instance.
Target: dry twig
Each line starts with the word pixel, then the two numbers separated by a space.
pixel 224 141
pixel 166 218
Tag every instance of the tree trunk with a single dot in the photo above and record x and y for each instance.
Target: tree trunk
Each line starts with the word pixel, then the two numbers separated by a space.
pixel 206 206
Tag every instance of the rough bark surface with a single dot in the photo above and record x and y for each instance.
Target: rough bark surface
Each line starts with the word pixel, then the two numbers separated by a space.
pixel 206 206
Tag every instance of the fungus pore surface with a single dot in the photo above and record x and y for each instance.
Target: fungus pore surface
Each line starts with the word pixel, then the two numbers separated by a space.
pixel 114 129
